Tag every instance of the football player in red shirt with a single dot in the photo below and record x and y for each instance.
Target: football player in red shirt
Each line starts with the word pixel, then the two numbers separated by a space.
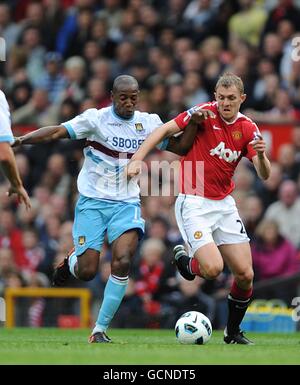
pixel 206 213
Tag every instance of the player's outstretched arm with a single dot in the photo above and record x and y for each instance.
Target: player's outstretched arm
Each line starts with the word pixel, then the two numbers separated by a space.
pixel 166 130
pixel 9 167
pixel 158 135
pixel 42 135
pixel 181 145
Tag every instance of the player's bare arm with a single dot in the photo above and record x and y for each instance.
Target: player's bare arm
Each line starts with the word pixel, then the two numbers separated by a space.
pixel 181 145
pixel 166 130
pixel 9 166
pixel 260 161
pixel 42 135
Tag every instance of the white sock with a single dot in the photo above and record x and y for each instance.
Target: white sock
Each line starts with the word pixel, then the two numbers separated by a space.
pixel 72 261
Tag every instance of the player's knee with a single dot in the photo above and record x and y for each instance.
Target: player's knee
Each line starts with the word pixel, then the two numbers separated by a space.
pixel 212 271
pixel 121 264
pixel 87 273
pixel 245 278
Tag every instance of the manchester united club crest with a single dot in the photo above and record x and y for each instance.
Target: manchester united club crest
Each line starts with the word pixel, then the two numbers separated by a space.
pixel 139 127
pixel 237 135
pixel 198 234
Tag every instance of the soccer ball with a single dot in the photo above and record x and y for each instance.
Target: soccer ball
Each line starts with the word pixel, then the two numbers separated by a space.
pixel 193 327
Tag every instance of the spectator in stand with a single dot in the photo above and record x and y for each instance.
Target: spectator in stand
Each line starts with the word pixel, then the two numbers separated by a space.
pixel 35 51
pixel 272 49
pixel 282 112
pixel 165 72
pixel 9 30
pixel 200 15
pixel 176 100
pixel 20 94
pixel 286 212
pixel 53 80
pixel 75 72
pixel 248 23
pixel 159 99
pixel 287 160
pixel 189 296
pixel 33 252
pixel 265 86
pixel 38 111
pixel 194 90
pixel 274 256
pixel 124 59
pixel 268 189
pixel 296 142
pixel 149 274
pixel 7 265
pixel 113 13
pixel 56 177
pixel 68 109
pixel 252 214
pixel 82 34
pixel 96 90
pixel 284 10
pixel 11 237
pixel 173 15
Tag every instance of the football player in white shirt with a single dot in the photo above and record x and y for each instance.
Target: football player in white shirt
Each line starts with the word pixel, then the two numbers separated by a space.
pixel 7 158
pixel 107 203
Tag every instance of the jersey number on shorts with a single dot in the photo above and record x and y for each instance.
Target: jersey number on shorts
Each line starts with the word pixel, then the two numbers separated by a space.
pixel 242 231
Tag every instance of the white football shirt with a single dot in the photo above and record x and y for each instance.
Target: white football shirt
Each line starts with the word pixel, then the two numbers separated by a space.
pixel 5 122
pixel 111 141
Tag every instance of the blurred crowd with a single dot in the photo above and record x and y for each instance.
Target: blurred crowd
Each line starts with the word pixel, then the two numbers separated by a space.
pixel 62 57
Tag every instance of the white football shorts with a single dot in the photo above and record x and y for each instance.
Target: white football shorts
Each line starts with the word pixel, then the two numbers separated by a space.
pixel 202 220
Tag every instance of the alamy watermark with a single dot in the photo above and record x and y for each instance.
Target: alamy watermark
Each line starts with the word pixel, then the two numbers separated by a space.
pixel 296 310
pixel 2 310
pixel 156 178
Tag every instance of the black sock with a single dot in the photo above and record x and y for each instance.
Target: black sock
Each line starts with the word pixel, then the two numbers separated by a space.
pixel 185 260
pixel 237 309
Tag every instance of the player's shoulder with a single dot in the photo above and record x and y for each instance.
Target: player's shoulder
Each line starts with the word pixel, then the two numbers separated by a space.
pixel 207 106
pixel 94 113
pixel 2 95
pixel 247 123
pixel 141 115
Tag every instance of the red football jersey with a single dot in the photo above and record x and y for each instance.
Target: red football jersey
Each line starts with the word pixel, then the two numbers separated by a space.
pixel 208 167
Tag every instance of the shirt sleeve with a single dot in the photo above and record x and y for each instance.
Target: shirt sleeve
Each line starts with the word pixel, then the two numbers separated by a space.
pixel 183 119
pixel 5 128
pixel 83 125
pixel 156 122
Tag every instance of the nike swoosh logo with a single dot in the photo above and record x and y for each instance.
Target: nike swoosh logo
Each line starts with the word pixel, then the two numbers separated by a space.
pixel 216 128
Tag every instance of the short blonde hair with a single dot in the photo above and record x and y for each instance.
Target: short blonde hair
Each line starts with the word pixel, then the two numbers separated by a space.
pixel 229 79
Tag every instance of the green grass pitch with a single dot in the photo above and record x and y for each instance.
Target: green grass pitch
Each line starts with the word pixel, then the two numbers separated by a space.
pixel 140 347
